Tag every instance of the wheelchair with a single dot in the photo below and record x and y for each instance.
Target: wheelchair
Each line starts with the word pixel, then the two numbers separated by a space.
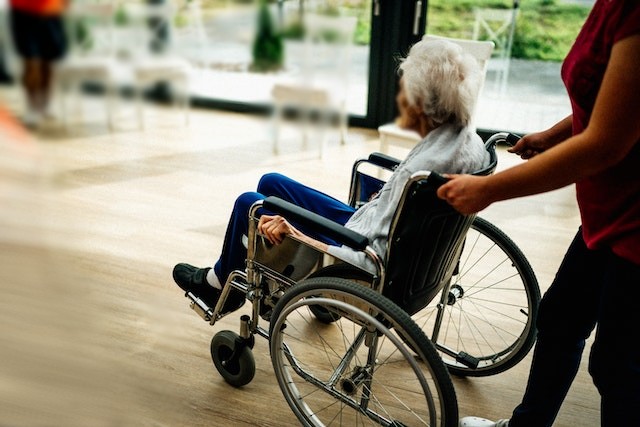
pixel 351 348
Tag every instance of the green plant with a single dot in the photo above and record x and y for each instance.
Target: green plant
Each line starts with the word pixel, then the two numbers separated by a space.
pixel 121 17
pixel 547 32
pixel 81 34
pixel 268 48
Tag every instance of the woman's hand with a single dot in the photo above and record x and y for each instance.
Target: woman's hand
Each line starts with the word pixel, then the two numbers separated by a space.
pixel 530 145
pixel 466 193
pixel 275 228
pixel 535 143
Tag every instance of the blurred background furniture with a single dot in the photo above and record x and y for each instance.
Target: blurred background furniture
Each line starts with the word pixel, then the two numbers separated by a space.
pixel 498 26
pixel 392 134
pixel 6 45
pixel 91 57
pixel 319 90
pixel 148 45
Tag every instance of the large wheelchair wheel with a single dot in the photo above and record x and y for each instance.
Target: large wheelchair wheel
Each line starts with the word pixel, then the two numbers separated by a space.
pixel 484 322
pixel 361 369
pixel 343 271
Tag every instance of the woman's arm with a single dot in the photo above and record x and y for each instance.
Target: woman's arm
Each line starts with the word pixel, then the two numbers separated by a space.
pixel 613 130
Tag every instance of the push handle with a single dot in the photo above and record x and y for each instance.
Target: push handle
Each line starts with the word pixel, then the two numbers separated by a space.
pixel 512 139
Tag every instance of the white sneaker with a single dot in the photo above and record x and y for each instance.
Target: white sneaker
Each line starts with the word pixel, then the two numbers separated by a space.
pixel 48 116
pixel 32 119
pixel 481 422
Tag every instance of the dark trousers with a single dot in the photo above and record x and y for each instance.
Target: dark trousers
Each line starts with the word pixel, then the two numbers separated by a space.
pixel 592 289
pixel 234 253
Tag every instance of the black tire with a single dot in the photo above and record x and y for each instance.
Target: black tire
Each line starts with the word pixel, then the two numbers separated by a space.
pixel 358 370
pixel 487 314
pixel 323 314
pixel 233 358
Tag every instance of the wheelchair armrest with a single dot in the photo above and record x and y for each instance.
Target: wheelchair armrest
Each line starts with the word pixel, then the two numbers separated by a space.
pixel 384 161
pixel 323 225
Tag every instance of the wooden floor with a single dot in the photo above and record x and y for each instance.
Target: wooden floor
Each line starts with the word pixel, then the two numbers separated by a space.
pixel 93 331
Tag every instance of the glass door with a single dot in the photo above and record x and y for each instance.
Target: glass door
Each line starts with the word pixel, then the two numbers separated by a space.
pixel 248 46
pixel 244 47
pixel 396 25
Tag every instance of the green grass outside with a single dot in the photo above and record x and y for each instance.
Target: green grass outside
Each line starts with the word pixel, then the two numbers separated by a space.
pixel 545 29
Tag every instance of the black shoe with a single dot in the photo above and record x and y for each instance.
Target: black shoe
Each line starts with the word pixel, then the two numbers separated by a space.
pixel 193 279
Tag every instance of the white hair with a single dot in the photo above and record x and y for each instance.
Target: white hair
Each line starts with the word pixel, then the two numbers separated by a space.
pixel 441 79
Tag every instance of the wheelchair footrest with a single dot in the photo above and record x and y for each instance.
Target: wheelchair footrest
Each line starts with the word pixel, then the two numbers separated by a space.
pixel 200 307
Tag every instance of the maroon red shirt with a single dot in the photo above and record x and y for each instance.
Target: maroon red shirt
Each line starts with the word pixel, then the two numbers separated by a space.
pixel 610 200
pixel 40 7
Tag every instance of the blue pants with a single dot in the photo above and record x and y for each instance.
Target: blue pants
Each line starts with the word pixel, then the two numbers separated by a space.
pixel 592 288
pixel 234 253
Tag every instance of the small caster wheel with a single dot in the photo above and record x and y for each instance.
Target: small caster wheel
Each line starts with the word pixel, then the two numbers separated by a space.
pixel 233 358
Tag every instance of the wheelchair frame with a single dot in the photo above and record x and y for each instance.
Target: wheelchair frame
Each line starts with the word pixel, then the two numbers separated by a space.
pixel 468 340
pixel 385 328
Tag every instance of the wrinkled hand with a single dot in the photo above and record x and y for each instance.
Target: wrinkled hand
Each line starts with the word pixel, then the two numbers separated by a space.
pixel 275 228
pixel 465 193
pixel 530 145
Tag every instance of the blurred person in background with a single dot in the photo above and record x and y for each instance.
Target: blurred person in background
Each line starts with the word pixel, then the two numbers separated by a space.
pixel 39 38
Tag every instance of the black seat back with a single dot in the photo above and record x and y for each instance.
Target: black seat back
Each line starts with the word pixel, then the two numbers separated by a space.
pixel 425 241
pixel 426 236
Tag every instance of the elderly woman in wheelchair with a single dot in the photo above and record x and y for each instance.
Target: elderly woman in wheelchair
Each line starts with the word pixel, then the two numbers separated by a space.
pixel 438 88
pixel 302 257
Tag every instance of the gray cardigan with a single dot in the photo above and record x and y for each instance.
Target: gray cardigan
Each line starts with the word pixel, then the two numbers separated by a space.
pixel 447 149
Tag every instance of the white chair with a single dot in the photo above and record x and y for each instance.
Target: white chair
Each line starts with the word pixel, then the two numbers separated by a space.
pixel 498 26
pixel 91 57
pixel 147 45
pixel 392 134
pixel 9 61
pixel 321 84
pixel 189 36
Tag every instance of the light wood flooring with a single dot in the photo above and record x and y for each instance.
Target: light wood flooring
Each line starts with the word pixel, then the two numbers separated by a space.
pixel 93 331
